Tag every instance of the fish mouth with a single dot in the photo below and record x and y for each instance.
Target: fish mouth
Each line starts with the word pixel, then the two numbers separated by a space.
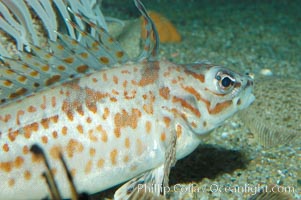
pixel 243 90
pixel 247 90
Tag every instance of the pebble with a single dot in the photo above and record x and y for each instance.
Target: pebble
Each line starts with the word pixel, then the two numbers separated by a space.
pixel 266 72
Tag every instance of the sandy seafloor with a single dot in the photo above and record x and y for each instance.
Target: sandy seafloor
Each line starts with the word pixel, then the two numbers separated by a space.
pixel 246 36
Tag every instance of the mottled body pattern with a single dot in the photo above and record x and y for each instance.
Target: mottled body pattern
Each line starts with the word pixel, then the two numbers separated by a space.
pixel 114 124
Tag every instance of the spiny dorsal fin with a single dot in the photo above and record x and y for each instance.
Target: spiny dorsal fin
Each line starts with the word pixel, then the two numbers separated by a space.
pixel 149 50
pixel 61 61
pixel 67 57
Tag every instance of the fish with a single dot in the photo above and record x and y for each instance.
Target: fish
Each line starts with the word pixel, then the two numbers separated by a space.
pixel 77 95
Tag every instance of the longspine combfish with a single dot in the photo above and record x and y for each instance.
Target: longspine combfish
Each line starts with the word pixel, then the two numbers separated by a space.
pixel 112 119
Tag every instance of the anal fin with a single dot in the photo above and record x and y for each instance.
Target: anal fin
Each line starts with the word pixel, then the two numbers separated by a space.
pixel 154 183
pixel 149 182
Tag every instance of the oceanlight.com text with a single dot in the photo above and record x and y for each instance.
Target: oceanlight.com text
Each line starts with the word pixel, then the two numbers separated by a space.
pixel 214 188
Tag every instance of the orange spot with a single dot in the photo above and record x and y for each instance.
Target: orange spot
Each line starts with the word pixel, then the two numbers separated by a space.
pixel 124 84
pixel 45 68
pixel 31 109
pixel 167 121
pixel 80 129
pixel 5 147
pixel 106 113
pixel 78 107
pixel 73 172
pixel 104 136
pixel 92 137
pixel 164 92
pixel 113 156
pixel 88 167
pixel 44 139
pixel 125 71
pixel 73 147
pixel 194 125
pixel 60 47
pixel 35 73
pixel 139 147
pixel 19 113
pixel 89 120
pixel 148 108
pixel 6 166
pixel 113 99
pixel 18 93
pixel 43 105
pixel 27 175
pixel 53 101
pixel 12 135
pixel 45 123
pixel 163 137
pixel 6 118
pixel 100 163
pixel 64 130
pixel 127 143
pixel 148 126
pixel 55 152
pixel 29 129
pixel 82 69
pixel 119 54
pixel 25 149
pixel 104 60
pixel 123 119
pixel 54 134
pixel 84 55
pixel 52 80
pixel 19 162
pixel 93 96
pixel 61 68
pixel 66 108
pixel 11 182
pixel 166 30
pixel 94 80
pixel 115 79
pixel 91 105
pixel 133 94
pixel 54 118
pixel 115 92
pixel 7 83
pixel 104 77
pixel 92 152
pixel 22 78
pixel 68 60
pixel 126 159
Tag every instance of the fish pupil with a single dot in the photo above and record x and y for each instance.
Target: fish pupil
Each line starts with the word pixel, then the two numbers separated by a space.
pixel 226 82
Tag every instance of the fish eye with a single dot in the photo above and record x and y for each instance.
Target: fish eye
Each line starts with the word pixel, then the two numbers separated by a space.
pixel 225 81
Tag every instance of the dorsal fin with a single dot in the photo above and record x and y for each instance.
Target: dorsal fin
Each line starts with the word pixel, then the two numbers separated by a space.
pixel 60 61
pixel 149 50
pixel 65 57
